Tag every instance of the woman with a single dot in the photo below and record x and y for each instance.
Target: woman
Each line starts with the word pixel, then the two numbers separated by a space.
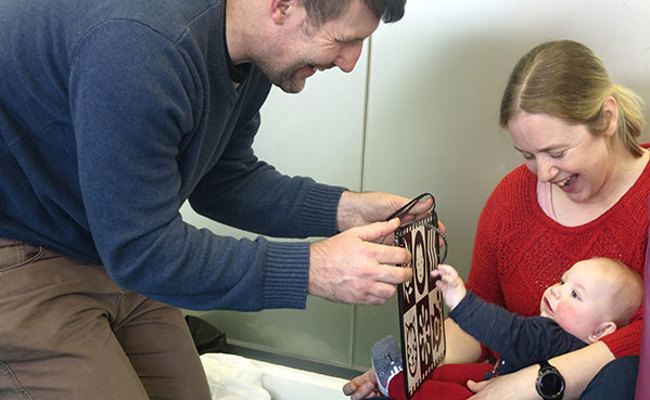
pixel 582 193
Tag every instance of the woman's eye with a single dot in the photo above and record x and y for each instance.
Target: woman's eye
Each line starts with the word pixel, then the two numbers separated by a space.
pixel 558 154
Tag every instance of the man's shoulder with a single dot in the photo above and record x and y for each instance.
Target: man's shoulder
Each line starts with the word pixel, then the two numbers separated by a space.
pixel 171 19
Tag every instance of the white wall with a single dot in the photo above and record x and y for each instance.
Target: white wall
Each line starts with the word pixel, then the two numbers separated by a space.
pixel 434 85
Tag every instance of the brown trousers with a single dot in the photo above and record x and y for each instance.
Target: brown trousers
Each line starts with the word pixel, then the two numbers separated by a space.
pixel 68 332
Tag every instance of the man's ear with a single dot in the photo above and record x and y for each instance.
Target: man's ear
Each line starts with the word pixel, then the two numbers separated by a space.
pixel 280 10
pixel 604 329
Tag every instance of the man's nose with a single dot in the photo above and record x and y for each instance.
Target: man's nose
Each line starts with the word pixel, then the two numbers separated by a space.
pixel 348 56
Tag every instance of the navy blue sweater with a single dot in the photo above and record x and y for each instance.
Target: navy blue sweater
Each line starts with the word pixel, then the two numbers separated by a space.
pixel 112 114
pixel 520 341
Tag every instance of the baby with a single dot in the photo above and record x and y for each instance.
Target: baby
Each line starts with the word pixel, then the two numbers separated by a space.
pixel 593 298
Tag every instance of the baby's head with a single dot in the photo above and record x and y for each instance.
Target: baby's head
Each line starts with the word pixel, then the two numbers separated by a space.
pixel 593 298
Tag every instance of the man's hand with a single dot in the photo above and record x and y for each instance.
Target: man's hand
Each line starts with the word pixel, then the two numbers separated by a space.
pixel 350 268
pixel 358 209
pixel 362 387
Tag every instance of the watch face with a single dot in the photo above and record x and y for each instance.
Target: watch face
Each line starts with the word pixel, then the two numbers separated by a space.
pixel 551 384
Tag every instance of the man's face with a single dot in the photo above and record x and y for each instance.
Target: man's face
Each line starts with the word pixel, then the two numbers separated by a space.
pixel 302 49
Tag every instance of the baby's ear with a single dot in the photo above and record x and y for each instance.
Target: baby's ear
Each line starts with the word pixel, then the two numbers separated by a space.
pixel 603 329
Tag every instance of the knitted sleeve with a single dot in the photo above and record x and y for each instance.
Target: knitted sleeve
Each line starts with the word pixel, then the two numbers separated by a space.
pixel 483 277
pixel 247 193
pixel 495 219
pixel 627 340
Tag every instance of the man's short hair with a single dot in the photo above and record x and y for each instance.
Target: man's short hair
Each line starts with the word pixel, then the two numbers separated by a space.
pixel 321 11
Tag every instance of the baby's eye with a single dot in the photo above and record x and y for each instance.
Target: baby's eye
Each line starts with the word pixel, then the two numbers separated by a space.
pixel 575 295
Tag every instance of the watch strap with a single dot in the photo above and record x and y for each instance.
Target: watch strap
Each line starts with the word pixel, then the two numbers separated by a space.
pixel 545 368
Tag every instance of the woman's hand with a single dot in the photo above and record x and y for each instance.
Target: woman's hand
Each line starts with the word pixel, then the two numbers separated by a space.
pixel 362 387
pixel 519 385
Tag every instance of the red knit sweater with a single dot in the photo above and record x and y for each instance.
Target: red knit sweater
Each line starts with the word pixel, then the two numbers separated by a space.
pixel 519 250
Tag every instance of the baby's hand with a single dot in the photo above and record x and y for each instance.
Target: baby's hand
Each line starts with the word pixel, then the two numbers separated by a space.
pixel 447 280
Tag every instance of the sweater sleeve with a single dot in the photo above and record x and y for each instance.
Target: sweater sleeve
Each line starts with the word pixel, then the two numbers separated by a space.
pixel 247 193
pixel 132 93
pixel 483 276
pixel 626 341
pixel 518 340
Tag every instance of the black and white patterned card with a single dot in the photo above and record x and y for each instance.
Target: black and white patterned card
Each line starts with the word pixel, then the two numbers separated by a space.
pixel 422 328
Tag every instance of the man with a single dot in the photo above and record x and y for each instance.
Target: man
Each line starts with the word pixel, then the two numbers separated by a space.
pixel 112 114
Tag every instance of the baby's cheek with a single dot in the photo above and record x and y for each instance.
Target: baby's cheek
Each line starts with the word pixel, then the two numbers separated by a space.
pixel 567 316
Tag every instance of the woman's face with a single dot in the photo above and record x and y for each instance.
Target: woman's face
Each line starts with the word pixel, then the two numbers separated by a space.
pixel 579 163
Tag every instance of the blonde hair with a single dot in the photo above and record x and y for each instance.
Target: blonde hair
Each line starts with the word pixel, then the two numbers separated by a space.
pixel 565 79
pixel 627 290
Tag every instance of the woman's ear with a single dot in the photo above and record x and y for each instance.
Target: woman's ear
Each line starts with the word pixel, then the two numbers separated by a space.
pixel 610 116
pixel 603 329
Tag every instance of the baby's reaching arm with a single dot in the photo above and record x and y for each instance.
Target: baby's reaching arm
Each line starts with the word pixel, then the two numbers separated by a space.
pixel 452 286
pixel 519 341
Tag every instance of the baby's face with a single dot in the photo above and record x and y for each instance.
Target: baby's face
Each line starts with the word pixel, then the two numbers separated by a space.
pixel 579 302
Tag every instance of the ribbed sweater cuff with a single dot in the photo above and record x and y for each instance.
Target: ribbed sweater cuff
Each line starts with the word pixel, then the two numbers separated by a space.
pixel 320 206
pixel 626 341
pixel 287 275
pixel 465 308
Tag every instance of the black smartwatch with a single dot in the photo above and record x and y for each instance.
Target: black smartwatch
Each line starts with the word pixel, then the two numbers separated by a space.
pixel 549 384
